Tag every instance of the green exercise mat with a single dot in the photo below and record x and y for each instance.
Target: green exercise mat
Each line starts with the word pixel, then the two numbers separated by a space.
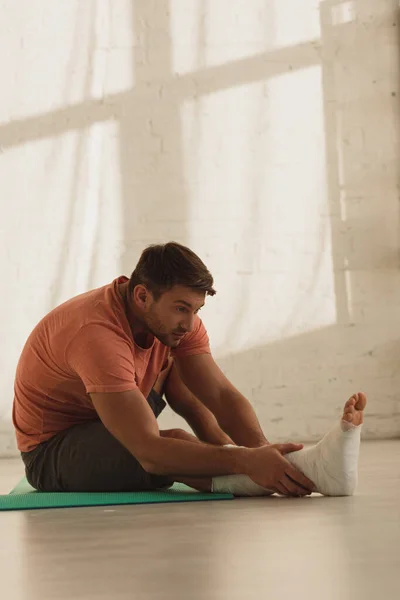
pixel 24 497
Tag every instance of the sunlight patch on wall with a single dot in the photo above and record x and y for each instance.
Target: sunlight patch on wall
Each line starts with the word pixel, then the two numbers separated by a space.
pixel 208 33
pixel 256 169
pixel 296 22
pixel 343 12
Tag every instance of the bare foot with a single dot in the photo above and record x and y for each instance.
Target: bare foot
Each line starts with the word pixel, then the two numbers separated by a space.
pixel 353 409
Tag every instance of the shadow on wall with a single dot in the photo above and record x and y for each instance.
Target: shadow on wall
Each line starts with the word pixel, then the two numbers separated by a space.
pixel 298 386
pixel 154 188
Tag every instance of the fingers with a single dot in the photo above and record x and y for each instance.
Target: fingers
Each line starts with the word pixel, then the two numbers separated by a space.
pixel 286 448
pixel 298 478
pixel 286 487
pixel 281 489
pixel 293 488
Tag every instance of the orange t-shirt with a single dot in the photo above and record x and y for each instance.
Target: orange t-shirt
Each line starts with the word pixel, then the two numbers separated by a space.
pixel 85 345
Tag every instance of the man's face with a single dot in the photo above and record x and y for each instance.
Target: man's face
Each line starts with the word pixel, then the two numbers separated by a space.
pixel 173 314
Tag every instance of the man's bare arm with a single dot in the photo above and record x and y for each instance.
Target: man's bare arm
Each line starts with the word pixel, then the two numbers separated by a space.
pixel 129 418
pixel 202 421
pixel 233 411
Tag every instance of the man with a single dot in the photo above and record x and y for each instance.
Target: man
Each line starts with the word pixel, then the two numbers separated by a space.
pixel 90 380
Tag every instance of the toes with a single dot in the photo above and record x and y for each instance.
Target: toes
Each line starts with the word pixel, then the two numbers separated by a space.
pixel 349 409
pixel 350 402
pixel 361 401
pixel 349 414
pixel 353 406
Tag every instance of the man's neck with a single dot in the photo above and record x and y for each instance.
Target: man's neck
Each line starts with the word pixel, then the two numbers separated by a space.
pixel 141 334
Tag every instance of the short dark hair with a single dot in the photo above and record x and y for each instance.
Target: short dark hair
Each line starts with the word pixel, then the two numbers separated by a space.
pixel 162 266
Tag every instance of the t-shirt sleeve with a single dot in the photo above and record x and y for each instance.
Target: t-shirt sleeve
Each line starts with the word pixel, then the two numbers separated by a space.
pixel 195 342
pixel 102 359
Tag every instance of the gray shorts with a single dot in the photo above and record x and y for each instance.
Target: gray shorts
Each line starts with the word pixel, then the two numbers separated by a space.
pixel 87 458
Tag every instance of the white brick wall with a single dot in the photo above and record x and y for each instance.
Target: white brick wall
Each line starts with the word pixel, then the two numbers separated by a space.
pixel 263 134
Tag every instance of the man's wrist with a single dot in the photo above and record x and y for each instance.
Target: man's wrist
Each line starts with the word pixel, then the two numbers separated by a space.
pixel 257 444
pixel 242 458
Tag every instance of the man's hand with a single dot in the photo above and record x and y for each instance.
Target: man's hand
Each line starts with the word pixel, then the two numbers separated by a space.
pixel 268 467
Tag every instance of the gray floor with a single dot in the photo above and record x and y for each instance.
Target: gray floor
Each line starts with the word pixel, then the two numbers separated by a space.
pixel 325 548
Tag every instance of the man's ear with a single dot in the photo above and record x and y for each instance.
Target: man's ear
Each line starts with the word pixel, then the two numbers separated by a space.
pixel 140 295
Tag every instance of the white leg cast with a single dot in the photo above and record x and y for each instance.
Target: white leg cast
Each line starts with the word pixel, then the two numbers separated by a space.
pixel 332 465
